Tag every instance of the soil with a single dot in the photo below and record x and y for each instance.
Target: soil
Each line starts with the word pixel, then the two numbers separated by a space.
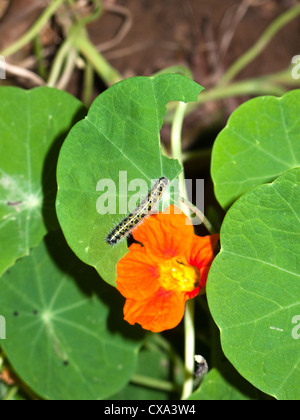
pixel 161 33
pixel 141 37
pixel 192 33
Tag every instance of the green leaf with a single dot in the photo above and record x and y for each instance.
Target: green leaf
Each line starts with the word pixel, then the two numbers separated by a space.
pixel 119 141
pixel 152 364
pixel 261 141
pixel 225 384
pixel 65 334
pixel 253 286
pixel 33 125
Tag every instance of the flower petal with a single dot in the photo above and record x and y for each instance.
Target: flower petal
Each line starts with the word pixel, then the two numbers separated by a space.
pixel 162 311
pixel 202 254
pixel 166 234
pixel 162 237
pixel 137 275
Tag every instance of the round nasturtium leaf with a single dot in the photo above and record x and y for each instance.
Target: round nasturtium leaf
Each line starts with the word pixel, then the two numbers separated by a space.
pixel 118 144
pixel 253 287
pixel 33 125
pixel 65 334
pixel 259 143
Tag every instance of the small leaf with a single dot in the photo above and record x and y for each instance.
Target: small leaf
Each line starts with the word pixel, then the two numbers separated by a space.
pixel 119 141
pixel 253 286
pixel 65 334
pixel 33 125
pixel 260 142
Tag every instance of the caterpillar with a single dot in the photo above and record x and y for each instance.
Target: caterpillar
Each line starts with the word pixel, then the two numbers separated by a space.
pixel 148 205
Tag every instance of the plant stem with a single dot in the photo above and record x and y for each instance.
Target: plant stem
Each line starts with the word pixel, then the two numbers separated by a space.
pixel 258 86
pixel 58 62
pixel 88 84
pixel 189 327
pixel 200 216
pixel 34 30
pixel 68 70
pixel 107 73
pixel 11 393
pixel 162 344
pixel 154 383
pixel 176 131
pixel 38 52
pixel 176 134
pixel 260 45
pixel 177 154
pixel 265 85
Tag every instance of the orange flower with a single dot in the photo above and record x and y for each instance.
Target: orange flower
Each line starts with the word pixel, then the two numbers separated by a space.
pixel 170 267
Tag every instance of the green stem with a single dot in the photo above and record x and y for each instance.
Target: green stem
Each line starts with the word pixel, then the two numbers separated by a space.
pixel 88 84
pixel 107 73
pixel 67 47
pixel 34 30
pixel 68 70
pixel 176 145
pixel 265 85
pixel 200 216
pixel 59 61
pixel 251 87
pixel 11 393
pixel 162 344
pixel 176 131
pixel 189 330
pixel 260 45
pixel 38 52
pixel 189 327
pixel 177 154
pixel 154 383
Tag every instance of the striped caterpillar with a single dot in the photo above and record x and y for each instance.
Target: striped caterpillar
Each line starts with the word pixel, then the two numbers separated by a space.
pixel 148 205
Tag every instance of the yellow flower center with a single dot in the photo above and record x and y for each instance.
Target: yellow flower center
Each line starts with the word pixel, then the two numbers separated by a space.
pixel 177 274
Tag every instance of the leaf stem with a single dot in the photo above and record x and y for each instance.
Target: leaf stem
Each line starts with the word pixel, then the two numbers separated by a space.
pixel 154 383
pixel 109 74
pixel 59 61
pixel 34 30
pixel 163 344
pixel 177 130
pixel 260 45
pixel 88 84
pixel 200 216
pixel 68 70
pixel 176 140
pixel 38 52
pixel 272 84
pixel 189 327
pixel 11 393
